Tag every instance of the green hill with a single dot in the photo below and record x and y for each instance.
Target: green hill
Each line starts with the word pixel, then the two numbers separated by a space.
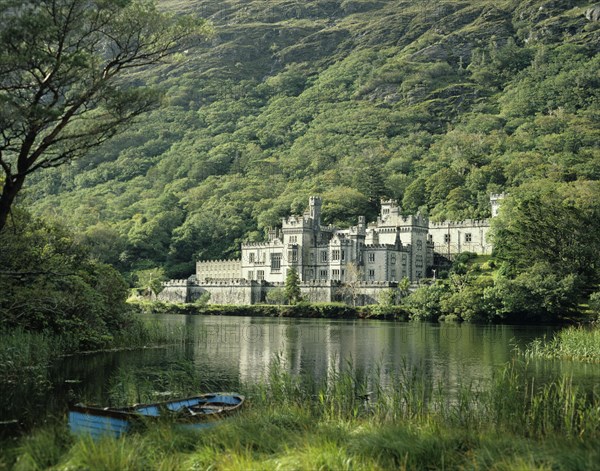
pixel 434 103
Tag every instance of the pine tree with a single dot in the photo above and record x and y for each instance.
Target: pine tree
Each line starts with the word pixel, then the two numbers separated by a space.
pixel 292 286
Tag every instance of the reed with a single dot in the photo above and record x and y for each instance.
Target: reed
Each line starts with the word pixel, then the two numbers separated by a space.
pixel 572 343
pixel 410 422
pixel 26 355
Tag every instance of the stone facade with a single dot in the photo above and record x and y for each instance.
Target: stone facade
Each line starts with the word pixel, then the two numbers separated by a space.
pixel 370 257
pixel 450 238
pixel 393 248
pixel 218 270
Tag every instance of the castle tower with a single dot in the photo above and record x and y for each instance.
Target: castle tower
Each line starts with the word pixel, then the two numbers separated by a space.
pixel 315 204
pixel 495 201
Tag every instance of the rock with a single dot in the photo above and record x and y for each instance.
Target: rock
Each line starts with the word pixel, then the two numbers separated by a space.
pixel 593 13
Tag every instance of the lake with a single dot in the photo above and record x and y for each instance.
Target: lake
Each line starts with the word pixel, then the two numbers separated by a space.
pixel 230 352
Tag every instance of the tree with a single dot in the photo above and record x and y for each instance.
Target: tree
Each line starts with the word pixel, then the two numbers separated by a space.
pixel 62 64
pixel 276 296
pixel 352 281
pixel 292 286
pixel 388 297
pixel 404 287
pixel 150 280
pixel 50 283
pixel 555 223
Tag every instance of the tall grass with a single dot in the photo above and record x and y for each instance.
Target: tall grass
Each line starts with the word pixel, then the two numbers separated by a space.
pixel 23 351
pixel 27 354
pixel 414 422
pixel 572 343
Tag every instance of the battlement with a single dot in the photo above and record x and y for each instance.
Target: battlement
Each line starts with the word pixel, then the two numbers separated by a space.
pixel 224 282
pixel 179 283
pixel 210 262
pixel 379 246
pixel 460 224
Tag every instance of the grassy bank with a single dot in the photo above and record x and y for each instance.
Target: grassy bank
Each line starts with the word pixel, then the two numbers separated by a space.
pixel 412 423
pixel 572 343
pixel 300 310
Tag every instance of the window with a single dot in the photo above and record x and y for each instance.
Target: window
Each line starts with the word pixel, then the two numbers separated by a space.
pixel 335 274
pixel 371 274
pixel 260 275
pixel 275 261
pixel 343 255
pixel 293 239
pixel 419 245
pixel 251 257
pixel 468 237
pixel 446 238
pixel 335 255
pixel 323 274
pixel 250 275
pixel 312 258
pixel 393 274
pixel 393 259
pixel 324 256
pixel 371 257
pixel 419 261
pixel 404 260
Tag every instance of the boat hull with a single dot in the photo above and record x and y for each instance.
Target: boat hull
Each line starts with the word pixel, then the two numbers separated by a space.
pixel 196 412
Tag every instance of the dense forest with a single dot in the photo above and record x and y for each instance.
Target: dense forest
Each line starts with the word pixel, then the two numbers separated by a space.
pixel 435 103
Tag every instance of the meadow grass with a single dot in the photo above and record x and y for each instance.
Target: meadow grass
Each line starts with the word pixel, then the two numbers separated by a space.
pixel 572 343
pixel 298 423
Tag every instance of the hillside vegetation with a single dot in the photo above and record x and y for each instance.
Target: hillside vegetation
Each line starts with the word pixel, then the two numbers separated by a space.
pixel 434 103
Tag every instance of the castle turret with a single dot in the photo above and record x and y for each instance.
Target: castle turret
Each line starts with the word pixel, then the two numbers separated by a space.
pixel 315 204
pixel 495 200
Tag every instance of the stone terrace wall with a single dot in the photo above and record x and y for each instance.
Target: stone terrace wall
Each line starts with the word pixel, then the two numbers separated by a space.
pixel 244 292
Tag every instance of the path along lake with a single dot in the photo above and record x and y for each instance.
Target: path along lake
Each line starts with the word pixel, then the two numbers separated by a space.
pixel 229 352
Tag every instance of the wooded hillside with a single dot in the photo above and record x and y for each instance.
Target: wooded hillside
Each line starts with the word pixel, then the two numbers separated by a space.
pixel 434 103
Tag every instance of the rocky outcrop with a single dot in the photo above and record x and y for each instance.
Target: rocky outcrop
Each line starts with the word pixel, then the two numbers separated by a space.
pixel 593 13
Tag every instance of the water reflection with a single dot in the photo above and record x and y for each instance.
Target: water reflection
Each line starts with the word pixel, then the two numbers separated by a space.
pixel 230 352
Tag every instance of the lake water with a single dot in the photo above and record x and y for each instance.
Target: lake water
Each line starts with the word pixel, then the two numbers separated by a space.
pixel 230 352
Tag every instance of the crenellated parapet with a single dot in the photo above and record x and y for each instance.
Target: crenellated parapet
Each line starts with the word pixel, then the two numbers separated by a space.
pixel 466 223
pixel 225 282
pixel 176 283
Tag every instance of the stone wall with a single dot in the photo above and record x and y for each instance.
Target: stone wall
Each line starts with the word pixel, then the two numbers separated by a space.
pixel 218 270
pixel 243 292
pixel 175 291
pixel 450 238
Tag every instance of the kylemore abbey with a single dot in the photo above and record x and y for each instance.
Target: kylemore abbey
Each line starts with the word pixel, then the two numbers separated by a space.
pixel 369 256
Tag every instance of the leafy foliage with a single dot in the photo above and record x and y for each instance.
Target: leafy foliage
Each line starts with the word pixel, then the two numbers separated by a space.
pixel 49 283
pixel 435 104
pixel 60 70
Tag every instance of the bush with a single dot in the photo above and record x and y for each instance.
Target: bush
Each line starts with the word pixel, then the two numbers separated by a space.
pixel 424 304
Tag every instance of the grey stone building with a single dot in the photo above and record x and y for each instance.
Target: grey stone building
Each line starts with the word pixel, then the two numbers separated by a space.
pixel 375 255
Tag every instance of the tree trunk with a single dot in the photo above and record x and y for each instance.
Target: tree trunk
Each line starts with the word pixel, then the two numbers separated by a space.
pixel 9 193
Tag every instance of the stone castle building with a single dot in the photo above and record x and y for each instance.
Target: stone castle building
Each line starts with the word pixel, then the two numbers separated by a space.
pixel 375 255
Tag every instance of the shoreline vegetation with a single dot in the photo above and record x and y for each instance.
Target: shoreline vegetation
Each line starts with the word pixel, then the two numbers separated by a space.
pixel 299 310
pixel 573 343
pixel 411 421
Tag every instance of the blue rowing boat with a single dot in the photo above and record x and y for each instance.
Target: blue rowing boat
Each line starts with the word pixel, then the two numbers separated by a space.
pixel 193 412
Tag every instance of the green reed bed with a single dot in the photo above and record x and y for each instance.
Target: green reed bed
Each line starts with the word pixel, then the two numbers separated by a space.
pixel 21 349
pixel 27 354
pixel 410 421
pixel 572 343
